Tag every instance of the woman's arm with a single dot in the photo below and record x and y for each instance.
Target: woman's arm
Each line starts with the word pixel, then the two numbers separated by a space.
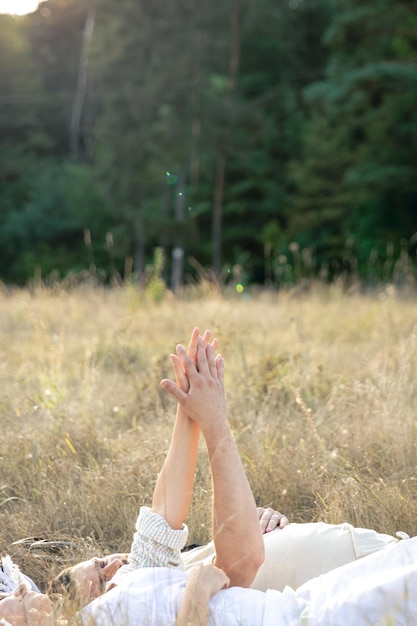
pixel 270 519
pixel 202 583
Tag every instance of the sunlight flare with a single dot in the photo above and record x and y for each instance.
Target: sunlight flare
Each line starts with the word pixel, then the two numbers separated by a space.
pixel 18 7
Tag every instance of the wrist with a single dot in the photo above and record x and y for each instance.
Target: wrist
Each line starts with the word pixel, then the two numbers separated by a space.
pixel 181 414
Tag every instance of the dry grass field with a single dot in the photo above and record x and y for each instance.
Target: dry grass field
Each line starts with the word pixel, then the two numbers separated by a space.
pixel 322 398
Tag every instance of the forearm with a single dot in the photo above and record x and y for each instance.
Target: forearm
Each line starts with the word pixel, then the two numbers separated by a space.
pixel 174 486
pixel 202 583
pixel 236 530
pixel 194 607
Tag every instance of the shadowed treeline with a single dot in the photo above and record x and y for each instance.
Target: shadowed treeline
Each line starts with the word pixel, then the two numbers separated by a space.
pixel 277 138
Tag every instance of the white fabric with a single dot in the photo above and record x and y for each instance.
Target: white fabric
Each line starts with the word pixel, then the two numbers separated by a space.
pixel 379 589
pixel 293 554
pixel 299 552
pixel 11 576
pixel 151 597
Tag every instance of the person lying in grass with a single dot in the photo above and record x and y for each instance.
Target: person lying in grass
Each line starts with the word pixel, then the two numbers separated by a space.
pixel 378 588
pixel 23 603
pixel 88 579
pixel 291 558
pixel 139 595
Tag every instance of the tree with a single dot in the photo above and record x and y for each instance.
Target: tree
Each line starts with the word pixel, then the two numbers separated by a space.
pixel 20 101
pixel 55 36
pixel 280 52
pixel 356 180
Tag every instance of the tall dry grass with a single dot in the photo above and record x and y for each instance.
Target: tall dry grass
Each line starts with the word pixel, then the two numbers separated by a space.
pixel 322 398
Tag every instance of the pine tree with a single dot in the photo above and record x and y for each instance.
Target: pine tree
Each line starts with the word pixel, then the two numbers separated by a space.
pixel 357 179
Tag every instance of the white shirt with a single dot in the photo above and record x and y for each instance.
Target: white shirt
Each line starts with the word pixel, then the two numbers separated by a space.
pixel 152 596
pixel 378 589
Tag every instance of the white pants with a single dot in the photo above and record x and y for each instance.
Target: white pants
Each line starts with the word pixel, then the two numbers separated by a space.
pixel 299 552
pixel 380 589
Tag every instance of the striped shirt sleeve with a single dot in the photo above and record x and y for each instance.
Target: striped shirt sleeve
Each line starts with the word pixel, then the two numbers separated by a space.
pixel 155 543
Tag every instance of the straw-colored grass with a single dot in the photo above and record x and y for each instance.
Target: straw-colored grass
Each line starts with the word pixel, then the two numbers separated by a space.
pixel 322 398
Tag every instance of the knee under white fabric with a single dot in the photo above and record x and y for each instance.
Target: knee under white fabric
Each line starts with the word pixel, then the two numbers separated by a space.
pixel 299 552
pixel 378 589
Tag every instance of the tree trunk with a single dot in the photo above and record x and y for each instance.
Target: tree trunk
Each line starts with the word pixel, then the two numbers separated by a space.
pixel 139 242
pixel 220 176
pixel 81 89
pixel 218 213
pixel 178 250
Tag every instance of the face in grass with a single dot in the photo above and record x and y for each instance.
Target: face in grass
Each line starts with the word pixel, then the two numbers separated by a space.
pixel 23 607
pixel 93 575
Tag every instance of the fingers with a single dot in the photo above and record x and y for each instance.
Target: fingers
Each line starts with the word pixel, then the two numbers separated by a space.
pixel 206 337
pixel 215 344
pixel 193 343
pixel 195 370
pixel 284 521
pixel 202 364
pixel 220 368
pixel 211 360
pixel 192 346
pixel 185 368
pixel 174 390
pixel 189 366
pixel 269 519
pixel 224 581
pixel 180 375
pixel 206 363
pixel 210 577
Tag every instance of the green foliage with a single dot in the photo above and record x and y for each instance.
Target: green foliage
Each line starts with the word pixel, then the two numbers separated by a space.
pixel 356 179
pixel 290 123
pixel 57 202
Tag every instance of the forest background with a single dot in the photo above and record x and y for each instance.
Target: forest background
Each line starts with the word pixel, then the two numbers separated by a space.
pixel 267 140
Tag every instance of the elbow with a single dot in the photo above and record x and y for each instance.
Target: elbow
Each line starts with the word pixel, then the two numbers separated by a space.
pixel 257 559
pixel 261 558
pixel 248 567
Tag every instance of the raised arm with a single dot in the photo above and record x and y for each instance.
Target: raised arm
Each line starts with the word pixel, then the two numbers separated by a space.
pixel 174 486
pixel 236 530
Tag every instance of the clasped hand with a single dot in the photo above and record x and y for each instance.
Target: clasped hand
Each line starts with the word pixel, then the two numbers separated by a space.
pixel 204 401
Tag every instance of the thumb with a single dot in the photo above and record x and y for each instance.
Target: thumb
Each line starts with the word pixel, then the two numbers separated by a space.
pixel 173 389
